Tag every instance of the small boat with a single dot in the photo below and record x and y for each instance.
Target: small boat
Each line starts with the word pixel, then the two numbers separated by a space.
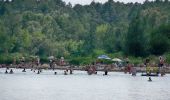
pixel 152 74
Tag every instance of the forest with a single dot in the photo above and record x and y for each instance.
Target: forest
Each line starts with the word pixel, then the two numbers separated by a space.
pixel 80 33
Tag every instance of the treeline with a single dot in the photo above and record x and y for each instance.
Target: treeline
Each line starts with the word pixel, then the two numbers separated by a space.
pixel 52 27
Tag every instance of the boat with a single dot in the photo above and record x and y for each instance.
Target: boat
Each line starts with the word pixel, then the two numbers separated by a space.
pixel 152 74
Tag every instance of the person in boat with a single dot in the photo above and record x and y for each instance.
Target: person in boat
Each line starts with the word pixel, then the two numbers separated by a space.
pixel 148 70
pixel 148 67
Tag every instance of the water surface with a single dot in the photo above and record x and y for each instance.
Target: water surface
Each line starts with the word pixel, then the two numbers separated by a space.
pixel 80 86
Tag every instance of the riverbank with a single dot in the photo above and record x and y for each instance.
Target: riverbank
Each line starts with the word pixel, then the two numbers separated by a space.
pixel 83 68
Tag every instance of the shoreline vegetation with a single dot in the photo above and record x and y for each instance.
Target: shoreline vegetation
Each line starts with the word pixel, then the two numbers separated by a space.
pixel 82 60
pixel 81 33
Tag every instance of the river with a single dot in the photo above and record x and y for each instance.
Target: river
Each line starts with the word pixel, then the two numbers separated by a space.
pixel 80 86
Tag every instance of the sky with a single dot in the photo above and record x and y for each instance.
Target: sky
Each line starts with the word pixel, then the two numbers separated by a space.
pixel 84 2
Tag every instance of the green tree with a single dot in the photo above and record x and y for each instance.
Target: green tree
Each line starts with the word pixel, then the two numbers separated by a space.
pixel 135 41
pixel 160 40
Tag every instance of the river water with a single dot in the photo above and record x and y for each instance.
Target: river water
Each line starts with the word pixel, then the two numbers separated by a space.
pixel 80 86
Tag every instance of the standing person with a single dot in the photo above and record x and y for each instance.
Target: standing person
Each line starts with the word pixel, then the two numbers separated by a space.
pixel 129 67
pixel 51 63
pixel 106 70
pixel 161 62
pixel 134 71
pixel 90 70
pixel 38 64
pixel 71 70
pixel 161 66
pixel 93 68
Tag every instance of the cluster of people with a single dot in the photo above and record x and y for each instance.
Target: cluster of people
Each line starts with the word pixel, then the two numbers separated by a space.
pixel 91 69
pixel 153 68
pixel 129 68
pixel 10 72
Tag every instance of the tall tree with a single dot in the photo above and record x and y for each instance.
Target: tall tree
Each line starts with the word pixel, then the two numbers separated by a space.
pixel 135 40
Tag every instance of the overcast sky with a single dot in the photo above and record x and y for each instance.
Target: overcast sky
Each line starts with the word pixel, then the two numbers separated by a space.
pixel 83 2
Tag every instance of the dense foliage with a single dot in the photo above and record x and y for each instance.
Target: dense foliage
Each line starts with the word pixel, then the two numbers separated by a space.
pixel 52 27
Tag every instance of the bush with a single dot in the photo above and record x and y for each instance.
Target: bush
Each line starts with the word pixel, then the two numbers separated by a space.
pixel 8 58
pixel 136 60
pixel 167 58
pixel 44 59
